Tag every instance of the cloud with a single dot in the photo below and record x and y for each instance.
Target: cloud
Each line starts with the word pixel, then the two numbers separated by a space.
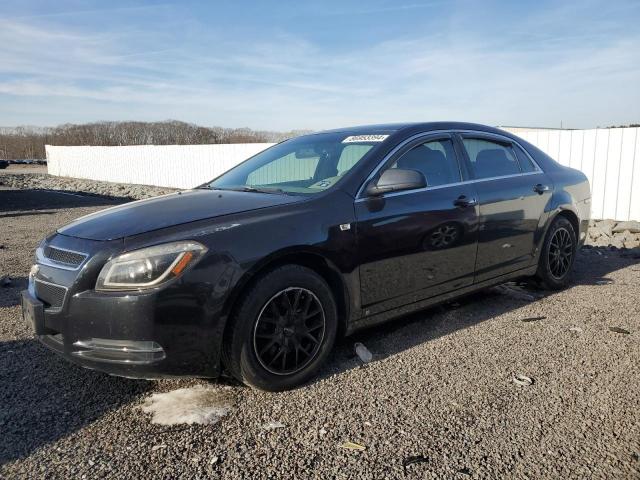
pixel 95 11
pixel 466 69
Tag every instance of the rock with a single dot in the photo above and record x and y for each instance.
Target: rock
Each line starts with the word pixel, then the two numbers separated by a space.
pixel 273 425
pixel 607 222
pixel 626 235
pixel 522 380
pixel 604 230
pixel 631 226
pixel 616 242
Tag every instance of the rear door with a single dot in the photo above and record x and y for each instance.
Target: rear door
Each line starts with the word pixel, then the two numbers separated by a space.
pixel 513 193
pixel 418 243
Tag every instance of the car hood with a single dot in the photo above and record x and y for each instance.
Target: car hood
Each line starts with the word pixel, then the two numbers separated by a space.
pixel 169 210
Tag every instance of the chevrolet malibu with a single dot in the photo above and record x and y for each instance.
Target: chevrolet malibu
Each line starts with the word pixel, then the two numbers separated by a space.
pixel 257 272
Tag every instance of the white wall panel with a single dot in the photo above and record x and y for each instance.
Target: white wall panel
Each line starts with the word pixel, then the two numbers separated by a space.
pixel 599 173
pixel 610 158
pixel 589 153
pixel 554 144
pixel 634 206
pixel 575 151
pixel 612 174
pixel 625 172
pixel 564 154
pixel 178 166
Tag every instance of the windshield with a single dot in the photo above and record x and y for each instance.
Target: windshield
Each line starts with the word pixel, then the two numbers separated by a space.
pixel 303 165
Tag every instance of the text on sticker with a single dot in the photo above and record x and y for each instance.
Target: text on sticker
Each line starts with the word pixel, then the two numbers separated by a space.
pixel 365 138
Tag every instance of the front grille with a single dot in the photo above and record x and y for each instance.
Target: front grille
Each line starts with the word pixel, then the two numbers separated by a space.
pixel 64 256
pixel 52 295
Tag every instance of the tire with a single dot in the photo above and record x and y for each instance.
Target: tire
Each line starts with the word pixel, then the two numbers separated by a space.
pixel 558 255
pixel 268 344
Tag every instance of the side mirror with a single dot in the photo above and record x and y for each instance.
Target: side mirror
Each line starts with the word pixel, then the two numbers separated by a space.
pixel 396 179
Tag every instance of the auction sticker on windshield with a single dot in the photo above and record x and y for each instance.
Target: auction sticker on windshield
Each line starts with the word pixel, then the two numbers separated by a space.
pixel 365 138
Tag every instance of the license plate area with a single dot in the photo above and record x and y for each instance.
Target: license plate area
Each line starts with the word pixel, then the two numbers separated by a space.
pixel 33 314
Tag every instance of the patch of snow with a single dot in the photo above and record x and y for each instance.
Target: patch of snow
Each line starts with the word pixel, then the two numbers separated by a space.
pixel 201 404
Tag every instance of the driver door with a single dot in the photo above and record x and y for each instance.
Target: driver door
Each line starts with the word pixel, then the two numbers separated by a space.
pixel 416 244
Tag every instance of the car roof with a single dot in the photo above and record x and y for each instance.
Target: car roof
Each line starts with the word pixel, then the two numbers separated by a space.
pixel 413 126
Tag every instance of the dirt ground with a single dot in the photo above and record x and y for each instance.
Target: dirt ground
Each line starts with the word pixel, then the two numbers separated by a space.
pixel 438 400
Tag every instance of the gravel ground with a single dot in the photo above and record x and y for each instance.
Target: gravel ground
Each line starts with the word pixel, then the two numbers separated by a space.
pixel 439 390
pixel 23 179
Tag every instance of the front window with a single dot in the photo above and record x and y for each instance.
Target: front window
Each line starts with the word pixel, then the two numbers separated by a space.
pixel 435 159
pixel 304 165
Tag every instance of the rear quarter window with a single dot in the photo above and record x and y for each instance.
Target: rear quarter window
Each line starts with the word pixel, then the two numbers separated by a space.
pixel 525 161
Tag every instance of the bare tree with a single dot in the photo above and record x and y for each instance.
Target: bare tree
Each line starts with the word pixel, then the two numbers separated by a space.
pixel 28 142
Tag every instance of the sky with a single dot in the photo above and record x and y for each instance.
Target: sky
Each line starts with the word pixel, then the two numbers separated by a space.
pixel 283 65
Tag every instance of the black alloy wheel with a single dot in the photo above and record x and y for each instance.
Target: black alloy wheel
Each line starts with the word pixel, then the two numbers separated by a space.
pixel 557 255
pixel 289 331
pixel 283 329
pixel 560 253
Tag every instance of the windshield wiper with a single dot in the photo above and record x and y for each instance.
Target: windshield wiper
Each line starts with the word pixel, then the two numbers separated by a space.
pixel 247 188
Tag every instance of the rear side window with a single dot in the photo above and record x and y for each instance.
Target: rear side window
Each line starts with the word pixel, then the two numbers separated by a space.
pixel 490 159
pixel 436 159
pixel 525 161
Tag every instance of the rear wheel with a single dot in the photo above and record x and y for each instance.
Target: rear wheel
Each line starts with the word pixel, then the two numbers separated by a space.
pixel 283 329
pixel 558 254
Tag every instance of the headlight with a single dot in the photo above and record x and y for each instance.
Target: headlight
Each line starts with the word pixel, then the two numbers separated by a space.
pixel 149 267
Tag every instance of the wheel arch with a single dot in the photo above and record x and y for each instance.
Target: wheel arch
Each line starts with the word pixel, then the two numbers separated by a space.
pixel 572 217
pixel 564 211
pixel 305 257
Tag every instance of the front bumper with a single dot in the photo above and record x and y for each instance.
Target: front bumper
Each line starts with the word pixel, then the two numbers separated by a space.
pixel 136 336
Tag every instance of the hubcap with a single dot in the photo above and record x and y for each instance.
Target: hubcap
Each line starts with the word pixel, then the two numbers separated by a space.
pixel 560 253
pixel 289 331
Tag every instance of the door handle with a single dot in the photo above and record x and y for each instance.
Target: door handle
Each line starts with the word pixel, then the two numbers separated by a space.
pixel 464 201
pixel 540 188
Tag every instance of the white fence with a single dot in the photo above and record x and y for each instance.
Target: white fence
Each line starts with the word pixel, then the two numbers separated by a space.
pixel 177 166
pixel 607 156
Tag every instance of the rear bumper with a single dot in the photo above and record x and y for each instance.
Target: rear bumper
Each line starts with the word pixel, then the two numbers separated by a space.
pixel 151 335
pixel 584 214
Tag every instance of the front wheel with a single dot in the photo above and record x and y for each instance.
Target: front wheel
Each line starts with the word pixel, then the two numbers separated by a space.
pixel 283 330
pixel 558 254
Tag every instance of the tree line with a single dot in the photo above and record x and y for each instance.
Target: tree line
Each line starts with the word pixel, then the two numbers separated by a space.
pixel 20 143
